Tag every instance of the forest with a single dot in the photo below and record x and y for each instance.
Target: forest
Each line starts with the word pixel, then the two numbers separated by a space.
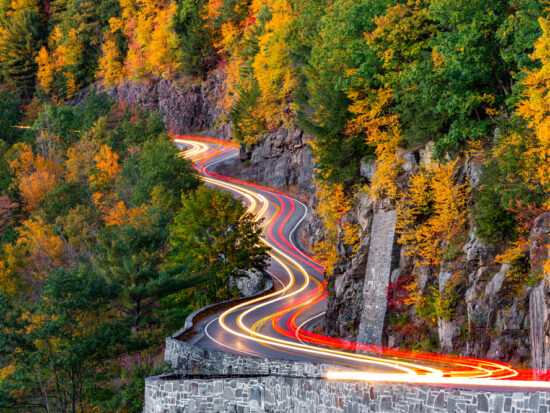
pixel 99 213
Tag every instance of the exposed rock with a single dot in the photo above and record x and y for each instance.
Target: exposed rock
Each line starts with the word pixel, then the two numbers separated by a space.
pixel 186 108
pixel 473 171
pixel 539 332
pixel 252 284
pixel 426 154
pixel 368 169
pixel 539 299
pixel 346 297
pixel 477 252
pixel 282 158
pixel 448 331
pixel 495 285
pixel 443 279
pixel 409 160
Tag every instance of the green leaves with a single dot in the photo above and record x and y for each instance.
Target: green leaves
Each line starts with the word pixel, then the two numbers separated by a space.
pixel 213 235
pixel 57 346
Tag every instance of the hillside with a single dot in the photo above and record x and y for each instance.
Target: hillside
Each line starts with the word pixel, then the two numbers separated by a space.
pixel 417 131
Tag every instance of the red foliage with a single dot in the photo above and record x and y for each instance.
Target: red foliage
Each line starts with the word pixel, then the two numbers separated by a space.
pixel 397 292
pixel 6 208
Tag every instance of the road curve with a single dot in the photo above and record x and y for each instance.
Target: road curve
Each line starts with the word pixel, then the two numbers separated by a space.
pixel 275 325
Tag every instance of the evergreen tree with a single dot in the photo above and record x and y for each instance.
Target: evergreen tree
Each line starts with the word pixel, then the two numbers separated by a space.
pixel 20 42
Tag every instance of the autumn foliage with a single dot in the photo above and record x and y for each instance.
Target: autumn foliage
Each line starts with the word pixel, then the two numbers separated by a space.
pixel 432 213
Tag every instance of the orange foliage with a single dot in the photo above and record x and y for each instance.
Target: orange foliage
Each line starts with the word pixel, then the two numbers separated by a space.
pixel 333 205
pixel 384 133
pixel 152 45
pixel 272 66
pixel 106 167
pixel 535 107
pixel 114 211
pixel 120 214
pixel 36 175
pixel 432 213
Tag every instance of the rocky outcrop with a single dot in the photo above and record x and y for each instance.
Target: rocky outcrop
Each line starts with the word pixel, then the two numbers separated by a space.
pixel 251 284
pixel 280 159
pixel 187 106
pixel 484 310
pixel 539 333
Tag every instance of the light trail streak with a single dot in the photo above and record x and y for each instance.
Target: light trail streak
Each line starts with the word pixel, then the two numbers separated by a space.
pixel 456 371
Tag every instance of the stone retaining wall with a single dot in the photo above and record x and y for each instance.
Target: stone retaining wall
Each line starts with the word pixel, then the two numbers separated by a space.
pixel 299 394
pixel 214 381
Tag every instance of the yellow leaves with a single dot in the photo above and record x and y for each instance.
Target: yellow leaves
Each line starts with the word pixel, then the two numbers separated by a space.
pixel 21 5
pixel 160 52
pixel 115 24
pixel 535 107
pixel 80 160
pixel 272 66
pixel 107 167
pixel 333 205
pixel 229 36
pixel 111 65
pixel 383 131
pixel 46 69
pixel 432 213
pixel 12 261
pixel 6 371
pixel 151 42
pixel 71 85
pixel 514 252
pixel 44 246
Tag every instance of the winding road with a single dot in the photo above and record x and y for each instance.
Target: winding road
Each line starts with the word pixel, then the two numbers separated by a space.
pixel 277 325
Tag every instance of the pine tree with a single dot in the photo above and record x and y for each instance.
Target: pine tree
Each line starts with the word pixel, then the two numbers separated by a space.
pixel 20 42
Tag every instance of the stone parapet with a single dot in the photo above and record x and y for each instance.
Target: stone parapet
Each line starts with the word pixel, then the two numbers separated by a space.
pixel 287 394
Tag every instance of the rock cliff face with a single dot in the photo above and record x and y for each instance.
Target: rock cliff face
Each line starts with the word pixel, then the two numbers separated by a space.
pixel 187 107
pixel 489 316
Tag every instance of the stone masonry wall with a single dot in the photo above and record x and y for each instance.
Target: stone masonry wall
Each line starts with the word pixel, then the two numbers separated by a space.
pixel 377 276
pixel 213 381
pixel 311 395
pixel 187 359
